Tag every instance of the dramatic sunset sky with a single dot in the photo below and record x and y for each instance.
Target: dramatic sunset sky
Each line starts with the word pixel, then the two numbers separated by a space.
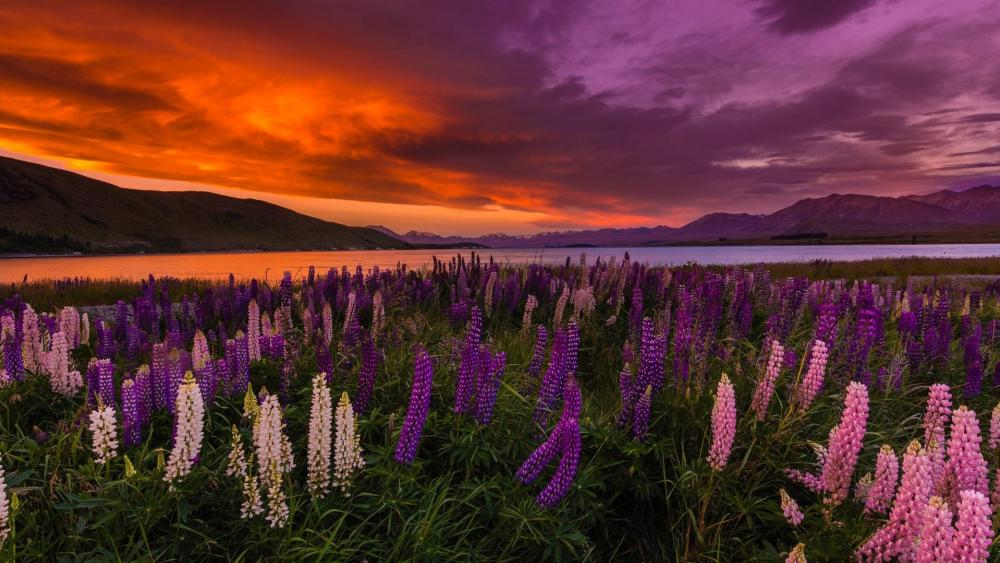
pixel 465 117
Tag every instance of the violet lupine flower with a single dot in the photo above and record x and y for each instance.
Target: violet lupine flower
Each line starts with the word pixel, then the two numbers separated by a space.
pixel 765 388
pixel 635 311
pixel 469 368
pixel 238 360
pixel 538 356
pixel 159 374
pixel 973 363
pixel 640 418
pixel 936 418
pixel 652 351
pixel 723 424
pixel 884 486
pixel 564 440
pixel 973 534
pixel 813 380
pixel 486 395
pixel 965 458
pixel 629 390
pixel 550 391
pixel 101 382
pixel 366 376
pixel 899 535
pixel 417 409
pixel 826 323
pixel 131 416
pixel 845 444
pixel 790 508
pixel 937 535
pixel 105 341
pixel 324 360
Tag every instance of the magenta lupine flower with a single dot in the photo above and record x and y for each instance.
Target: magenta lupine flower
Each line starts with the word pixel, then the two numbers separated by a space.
pixel 790 509
pixel 965 459
pixel 973 534
pixel 723 424
pixel 994 442
pixel 813 380
pixel 640 418
pixel 765 388
pixel 417 409
pixel 366 375
pixel 565 440
pixel 899 536
pixel 845 444
pixel 538 356
pixel 937 535
pixel 884 486
pixel 936 418
pixel 807 480
pixel 486 396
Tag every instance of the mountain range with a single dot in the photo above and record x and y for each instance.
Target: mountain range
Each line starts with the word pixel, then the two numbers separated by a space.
pixel 48 210
pixel 971 215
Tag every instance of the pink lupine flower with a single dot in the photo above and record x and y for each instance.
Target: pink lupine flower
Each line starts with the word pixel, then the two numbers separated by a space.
pixel 845 444
pixel 765 388
pixel 899 536
pixel 936 419
pixel 973 534
pixel 937 534
pixel 797 555
pixel 320 437
pixel 813 380
pixel 723 424
pixel 995 428
pixel 882 488
pixel 965 459
pixel 790 509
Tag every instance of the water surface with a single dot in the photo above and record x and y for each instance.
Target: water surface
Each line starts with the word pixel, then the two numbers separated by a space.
pixel 270 265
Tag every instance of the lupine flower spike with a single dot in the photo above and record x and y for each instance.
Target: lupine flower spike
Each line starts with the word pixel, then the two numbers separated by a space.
pixel 320 430
pixel 882 488
pixel 845 444
pixel 104 433
pixel 189 428
pixel 937 535
pixel 765 388
pixel 797 555
pixel 723 424
pixel 790 508
pixel 4 508
pixel 347 453
pixel 416 410
pixel 973 534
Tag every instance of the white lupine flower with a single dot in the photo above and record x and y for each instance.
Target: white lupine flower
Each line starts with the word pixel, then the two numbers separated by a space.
pixel 277 502
pixel 4 508
pixel 561 305
pixel 347 456
pixel 320 429
pixel 237 466
pixel 189 430
pixel 349 316
pixel 31 343
pixel 252 504
pixel 488 295
pixel 269 441
pixel 104 433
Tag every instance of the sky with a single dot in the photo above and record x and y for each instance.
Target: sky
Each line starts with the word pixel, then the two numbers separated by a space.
pixel 462 117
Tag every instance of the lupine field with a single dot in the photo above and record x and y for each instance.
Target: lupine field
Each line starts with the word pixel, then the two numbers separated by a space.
pixel 604 411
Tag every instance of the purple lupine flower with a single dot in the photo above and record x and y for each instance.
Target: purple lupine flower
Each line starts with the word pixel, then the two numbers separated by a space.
pixel 635 311
pixel 827 323
pixel 553 379
pixel 366 375
pixel 565 440
pixel 538 356
pixel 417 409
pixel 629 391
pixel 131 419
pixel 324 360
pixel 469 368
pixel 652 351
pixel 486 395
pixel 973 362
pixel 640 417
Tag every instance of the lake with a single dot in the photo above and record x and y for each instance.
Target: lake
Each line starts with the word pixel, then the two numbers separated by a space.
pixel 270 265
